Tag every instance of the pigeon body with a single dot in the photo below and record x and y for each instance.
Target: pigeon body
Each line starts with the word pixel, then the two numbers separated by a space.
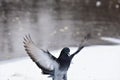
pixel 55 67
pixel 64 59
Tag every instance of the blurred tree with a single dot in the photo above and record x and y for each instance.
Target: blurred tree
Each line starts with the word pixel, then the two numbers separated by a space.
pixel 6 39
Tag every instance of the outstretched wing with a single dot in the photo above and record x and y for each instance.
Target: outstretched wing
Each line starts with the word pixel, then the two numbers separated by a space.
pixel 43 59
pixel 81 46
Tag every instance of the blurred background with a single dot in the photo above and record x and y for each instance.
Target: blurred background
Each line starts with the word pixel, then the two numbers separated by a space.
pixel 54 24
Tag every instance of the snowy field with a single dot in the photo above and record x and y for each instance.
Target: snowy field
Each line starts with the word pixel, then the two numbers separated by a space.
pixel 92 63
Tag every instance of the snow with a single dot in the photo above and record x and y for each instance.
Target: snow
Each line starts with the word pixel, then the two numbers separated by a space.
pixel 92 63
pixel 96 63
pixel 98 3
pixel 110 39
pixel 117 6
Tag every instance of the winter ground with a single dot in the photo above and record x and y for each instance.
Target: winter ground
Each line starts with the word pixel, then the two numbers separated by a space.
pixel 100 62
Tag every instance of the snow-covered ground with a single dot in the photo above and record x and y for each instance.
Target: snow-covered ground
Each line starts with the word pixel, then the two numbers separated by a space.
pixel 92 63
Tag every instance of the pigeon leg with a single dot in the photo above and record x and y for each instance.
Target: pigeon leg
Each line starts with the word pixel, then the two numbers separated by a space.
pixel 65 77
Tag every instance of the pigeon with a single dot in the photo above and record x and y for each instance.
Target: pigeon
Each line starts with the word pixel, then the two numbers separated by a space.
pixel 50 65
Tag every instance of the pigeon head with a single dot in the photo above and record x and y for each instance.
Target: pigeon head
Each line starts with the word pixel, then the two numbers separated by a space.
pixel 65 51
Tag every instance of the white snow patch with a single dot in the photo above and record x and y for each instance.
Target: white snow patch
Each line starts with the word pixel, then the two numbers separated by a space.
pixel 23 69
pixel 92 63
pixel 110 39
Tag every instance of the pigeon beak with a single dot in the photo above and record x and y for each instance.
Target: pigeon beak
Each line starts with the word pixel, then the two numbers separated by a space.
pixel 68 54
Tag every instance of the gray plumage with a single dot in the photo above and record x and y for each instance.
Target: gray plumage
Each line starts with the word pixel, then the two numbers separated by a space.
pixel 55 67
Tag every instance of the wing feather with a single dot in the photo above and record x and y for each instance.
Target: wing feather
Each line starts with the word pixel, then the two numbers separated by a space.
pixel 45 60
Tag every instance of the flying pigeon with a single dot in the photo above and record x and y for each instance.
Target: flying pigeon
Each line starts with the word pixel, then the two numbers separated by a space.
pixel 50 65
